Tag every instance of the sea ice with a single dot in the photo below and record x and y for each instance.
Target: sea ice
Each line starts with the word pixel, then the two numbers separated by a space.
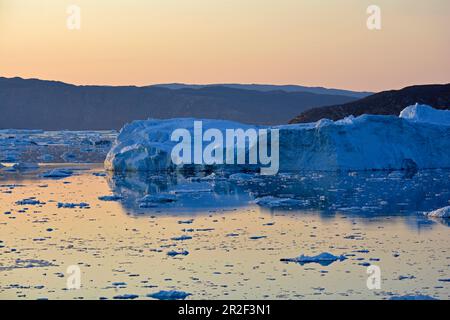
pixel 57 173
pixel 323 259
pixel 174 253
pixel 80 205
pixel 24 166
pixel 29 201
pixel 110 198
pixel 413 297
pixel 169 295
pixel 274 202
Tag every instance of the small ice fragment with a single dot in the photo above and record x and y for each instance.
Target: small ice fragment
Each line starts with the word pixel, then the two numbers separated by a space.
pixel 413 297
pixel 57 173
pixel 80 205
pixel 174 253
pixel 181 238
pixel 29 201
pixel 274 202
pixel 126 296
pixel 110 198
pixel 169 295
pixel 323 259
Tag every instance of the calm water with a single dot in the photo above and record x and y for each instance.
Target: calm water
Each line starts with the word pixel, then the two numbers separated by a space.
pixel 234 245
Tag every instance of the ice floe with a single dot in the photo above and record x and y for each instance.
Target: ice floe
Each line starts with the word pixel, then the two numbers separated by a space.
pixel 81 205
pixel 110 198
pixel 174 253
pixel 323 259
pixel 57 173
pixel 412 297
pixel 169 295
pixel 274 202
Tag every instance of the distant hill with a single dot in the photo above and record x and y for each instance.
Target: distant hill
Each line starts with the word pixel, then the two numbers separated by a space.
pixel 386 102
pixel 269 87
pixel 53 105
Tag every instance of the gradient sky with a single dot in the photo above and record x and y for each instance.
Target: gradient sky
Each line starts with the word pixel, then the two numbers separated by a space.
pixel 305 42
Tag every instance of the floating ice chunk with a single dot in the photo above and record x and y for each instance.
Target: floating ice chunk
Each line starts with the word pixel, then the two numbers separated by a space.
pixel 126 297
pixel 189 221
pixel 158 198
pixel 413 297
pixel 29 201
pixel 426 114
pixel 57 173
pixel 274 202
pixel 440 213
pixel 110 198
pixel 23 166
pixel 181 238
pixel 176 253
pixel 241 176
pixel 99 174
pixel 323 259
pixel 71 205
pixel 169 295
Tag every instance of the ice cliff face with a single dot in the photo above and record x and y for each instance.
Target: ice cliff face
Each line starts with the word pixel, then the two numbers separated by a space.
pixel 145 145
pixel 419 138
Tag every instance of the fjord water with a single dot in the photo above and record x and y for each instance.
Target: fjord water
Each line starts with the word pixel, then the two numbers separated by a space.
pixel 234 246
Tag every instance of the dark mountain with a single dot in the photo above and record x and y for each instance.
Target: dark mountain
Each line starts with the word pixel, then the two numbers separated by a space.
pixel 270 87
pixel 52 105
pixel 386 102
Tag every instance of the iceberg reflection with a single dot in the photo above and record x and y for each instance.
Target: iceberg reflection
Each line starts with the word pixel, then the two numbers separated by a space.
pixel 374 193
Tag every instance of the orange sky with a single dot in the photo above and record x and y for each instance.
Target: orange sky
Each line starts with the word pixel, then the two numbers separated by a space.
pixel 314 43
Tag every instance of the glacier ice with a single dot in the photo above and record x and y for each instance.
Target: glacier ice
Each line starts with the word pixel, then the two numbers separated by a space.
pixel 418 139
pixel 426 114
pixel 440 213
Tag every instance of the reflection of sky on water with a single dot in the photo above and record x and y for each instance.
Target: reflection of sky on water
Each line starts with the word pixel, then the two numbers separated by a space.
pixel 360 193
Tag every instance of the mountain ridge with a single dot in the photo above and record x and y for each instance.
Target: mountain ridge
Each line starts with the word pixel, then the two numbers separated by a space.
pixel 390 102
pixel 56 105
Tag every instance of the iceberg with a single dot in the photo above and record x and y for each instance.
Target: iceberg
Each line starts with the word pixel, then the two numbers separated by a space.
pixel 418 139
pixel 440 213
pixel 426 114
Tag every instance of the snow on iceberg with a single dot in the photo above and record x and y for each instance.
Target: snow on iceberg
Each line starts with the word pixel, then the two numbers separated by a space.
pixel 440 213
pixel 323 259
pixel 415 140
pixel 426 114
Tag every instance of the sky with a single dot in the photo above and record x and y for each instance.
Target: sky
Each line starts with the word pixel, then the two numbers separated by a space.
pixel 305 42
